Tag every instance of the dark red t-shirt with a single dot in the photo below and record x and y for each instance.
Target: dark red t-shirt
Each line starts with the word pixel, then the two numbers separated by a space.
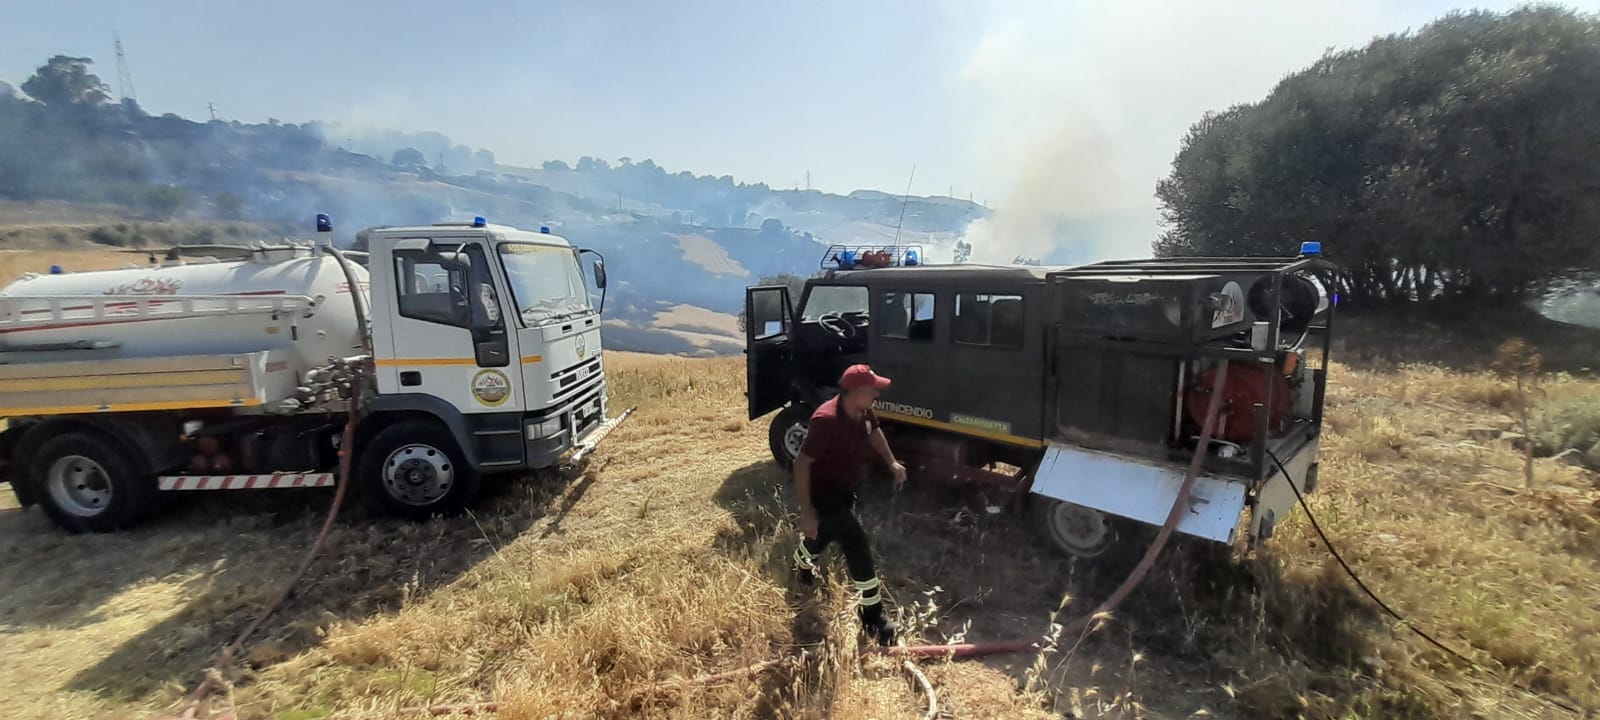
pixel 838 447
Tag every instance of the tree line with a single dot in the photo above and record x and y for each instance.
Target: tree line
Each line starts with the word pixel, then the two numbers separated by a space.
pixel 1458 163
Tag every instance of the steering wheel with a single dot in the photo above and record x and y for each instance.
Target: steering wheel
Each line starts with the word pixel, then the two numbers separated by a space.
pixel 836 324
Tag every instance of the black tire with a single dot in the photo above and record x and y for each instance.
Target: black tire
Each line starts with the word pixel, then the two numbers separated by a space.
pixel 785 447
pixel 1113 540
pixel 414 470
pixel 87 483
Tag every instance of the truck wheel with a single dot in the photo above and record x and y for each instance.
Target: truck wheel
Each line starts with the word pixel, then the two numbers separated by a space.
pixel 414 470
pixel 1074 529
pixel 788 433
pixel 87 484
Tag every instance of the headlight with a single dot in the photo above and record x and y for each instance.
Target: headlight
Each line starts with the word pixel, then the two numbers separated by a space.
pixel 547 428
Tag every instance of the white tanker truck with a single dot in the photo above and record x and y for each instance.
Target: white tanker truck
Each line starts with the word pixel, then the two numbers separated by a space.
pixel 474 350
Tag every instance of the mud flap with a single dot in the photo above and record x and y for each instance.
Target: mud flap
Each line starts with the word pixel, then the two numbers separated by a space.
pixel 1276 500
pixel 1139 490
pixel 592 440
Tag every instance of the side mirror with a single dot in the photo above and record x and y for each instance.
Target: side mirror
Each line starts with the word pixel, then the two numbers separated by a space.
pixel 600 274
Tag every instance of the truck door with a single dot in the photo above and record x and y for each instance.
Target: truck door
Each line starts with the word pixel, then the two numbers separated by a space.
pixel 448 328
pixel 996 334
pixel 768 321
pixel 909 325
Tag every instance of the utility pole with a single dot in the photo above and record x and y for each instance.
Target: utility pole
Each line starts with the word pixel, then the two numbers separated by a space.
pixel 808 181
pixel 213 108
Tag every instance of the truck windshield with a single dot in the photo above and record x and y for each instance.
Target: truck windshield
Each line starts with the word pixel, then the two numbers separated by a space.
pixel 545 280
pixel 842 299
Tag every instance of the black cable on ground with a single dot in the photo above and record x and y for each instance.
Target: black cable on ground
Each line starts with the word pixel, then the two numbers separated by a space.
pixel 1385 606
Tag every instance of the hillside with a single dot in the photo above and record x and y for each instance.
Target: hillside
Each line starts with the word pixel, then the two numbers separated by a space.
pixel 77 158
pixel 665 559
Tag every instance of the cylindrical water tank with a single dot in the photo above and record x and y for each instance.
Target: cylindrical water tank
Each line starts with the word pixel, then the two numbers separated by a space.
pixel 330 331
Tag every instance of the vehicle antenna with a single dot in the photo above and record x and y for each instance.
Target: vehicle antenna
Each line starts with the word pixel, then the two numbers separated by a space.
pixel 904 201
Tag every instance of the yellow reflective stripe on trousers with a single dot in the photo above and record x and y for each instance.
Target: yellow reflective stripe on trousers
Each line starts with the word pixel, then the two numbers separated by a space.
pixel 864 587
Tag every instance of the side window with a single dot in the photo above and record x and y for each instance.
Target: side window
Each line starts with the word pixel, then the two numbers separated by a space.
pixel 994 320
pixel 989 320
pixel 907 315
pixel 443 288
pixel 428 291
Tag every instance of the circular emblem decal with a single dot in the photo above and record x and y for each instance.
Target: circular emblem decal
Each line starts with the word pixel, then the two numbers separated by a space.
pixel 491 387
pixel 583 349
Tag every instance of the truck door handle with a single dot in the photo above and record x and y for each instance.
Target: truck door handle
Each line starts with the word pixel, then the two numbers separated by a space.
pixel 410 378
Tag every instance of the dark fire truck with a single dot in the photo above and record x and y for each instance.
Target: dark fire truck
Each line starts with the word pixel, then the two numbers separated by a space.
pixel 1084 387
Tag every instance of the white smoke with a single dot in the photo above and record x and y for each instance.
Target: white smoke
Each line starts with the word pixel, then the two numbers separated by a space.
pixel 1081 106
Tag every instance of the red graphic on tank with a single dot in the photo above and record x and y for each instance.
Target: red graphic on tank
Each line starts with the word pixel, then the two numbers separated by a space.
pixel 148 286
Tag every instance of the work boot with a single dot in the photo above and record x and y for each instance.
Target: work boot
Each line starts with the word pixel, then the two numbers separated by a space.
pixel 880 628
pixel 806 576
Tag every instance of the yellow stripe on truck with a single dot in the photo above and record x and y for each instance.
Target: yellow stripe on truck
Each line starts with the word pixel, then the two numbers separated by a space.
pixel 419 362
pixel 111 382
pixel 424 362
pixel 962 429
pixel 126 407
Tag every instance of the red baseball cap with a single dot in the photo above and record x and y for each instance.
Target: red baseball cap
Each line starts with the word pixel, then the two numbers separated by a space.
pixel 862 376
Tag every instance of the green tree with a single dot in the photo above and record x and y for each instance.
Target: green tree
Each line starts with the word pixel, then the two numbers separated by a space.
pixel 1457 162
pixel 408 158
pixel 66 81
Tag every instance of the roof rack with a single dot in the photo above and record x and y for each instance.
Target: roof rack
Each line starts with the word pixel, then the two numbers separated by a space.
pixel 1190 265
pixel 860 257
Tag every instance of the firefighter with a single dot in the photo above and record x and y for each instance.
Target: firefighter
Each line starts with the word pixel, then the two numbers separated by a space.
pixel 831 463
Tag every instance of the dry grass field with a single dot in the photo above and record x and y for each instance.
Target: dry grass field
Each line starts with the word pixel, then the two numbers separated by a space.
pixel 596 593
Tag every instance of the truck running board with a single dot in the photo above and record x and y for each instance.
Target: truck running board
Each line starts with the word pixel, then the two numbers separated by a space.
pixel 246 482
pixel 593 439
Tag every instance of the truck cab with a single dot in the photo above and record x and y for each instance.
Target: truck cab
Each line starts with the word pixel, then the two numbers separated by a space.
pixel 969 321
pixel 492 330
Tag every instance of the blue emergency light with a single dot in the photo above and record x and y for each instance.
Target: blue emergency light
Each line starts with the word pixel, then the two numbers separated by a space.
pixel 324 223
pixel 911 257
pixel 478 221
pixel 1311 248
pixel 544 229
pixel 56 270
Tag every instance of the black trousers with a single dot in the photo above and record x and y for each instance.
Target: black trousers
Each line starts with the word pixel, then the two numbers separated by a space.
pixel 836 522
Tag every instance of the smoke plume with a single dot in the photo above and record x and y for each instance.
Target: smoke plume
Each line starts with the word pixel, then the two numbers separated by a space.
pixel 1080 107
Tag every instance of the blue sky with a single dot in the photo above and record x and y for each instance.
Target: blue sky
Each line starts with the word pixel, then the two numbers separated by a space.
pixel 1065 106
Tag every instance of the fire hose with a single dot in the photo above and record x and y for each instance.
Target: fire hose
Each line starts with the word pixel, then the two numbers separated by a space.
pixel 195 702
pixel 1180 505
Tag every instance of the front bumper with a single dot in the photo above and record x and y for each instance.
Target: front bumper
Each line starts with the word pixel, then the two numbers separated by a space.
pixel 577 421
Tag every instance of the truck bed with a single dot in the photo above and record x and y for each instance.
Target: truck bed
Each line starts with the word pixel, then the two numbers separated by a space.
pixel 249 380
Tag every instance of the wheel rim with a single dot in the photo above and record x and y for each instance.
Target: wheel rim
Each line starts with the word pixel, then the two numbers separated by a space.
pixel 794 437
pixel 418 475
pixel 1082 531
pixel 79 486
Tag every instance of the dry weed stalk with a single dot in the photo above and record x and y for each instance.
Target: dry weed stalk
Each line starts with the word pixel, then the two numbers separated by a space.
pixel 1518 361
